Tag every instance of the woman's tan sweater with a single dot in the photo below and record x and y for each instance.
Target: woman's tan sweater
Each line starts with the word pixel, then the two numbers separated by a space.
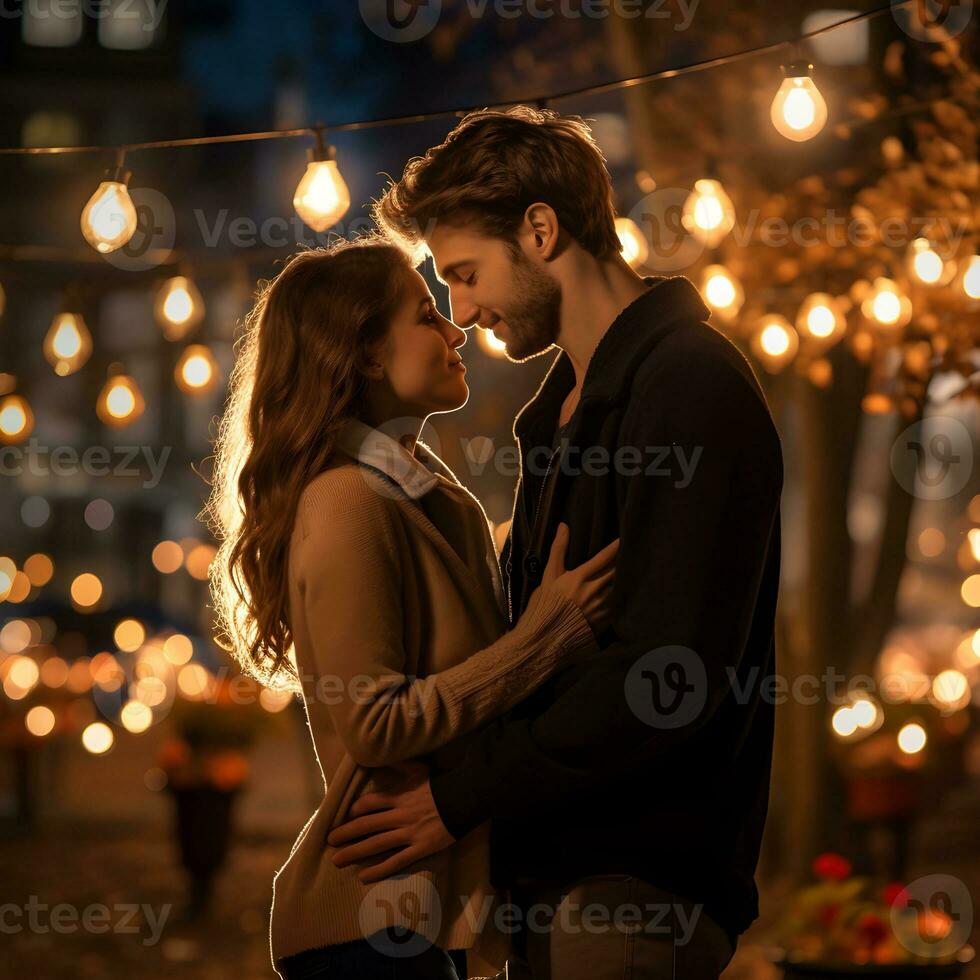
pixel 400 643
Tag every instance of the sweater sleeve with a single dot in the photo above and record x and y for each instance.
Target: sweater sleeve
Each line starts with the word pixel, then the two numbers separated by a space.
pixel 350 579
pixel 694 547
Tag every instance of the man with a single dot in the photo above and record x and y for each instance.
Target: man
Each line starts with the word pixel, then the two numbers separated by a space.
pixel 627 797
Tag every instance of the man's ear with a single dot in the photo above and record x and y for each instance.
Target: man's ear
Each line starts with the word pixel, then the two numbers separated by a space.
pixel 542 229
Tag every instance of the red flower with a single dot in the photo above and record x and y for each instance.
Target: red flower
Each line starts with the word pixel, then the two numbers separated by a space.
pixel 227 769
pixel 828 914
pixel 894 894
pixel 174 753
pixel 831 867
pixel 872 929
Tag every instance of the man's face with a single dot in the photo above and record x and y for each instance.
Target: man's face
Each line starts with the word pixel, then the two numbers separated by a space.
pixel 490 286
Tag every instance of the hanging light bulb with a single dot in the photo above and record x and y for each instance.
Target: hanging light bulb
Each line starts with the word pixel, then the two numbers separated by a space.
pixel 109 219
pixel 120 401
pixel 631 242
pixel 321 197
pixel 197 370
pixel 798 111
pixel 68 343
pixel 722 291
pixel 970 280
pixel 774 342
pixel 886 306
pixel 708 212
pixel 16 419
pixel 179 307
pixel 820 321
pixel 927 265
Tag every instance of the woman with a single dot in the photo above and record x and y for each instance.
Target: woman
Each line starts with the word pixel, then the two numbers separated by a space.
pixel 355 568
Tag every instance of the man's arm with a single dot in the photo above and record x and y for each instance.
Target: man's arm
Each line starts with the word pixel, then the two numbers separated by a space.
pixel 693 549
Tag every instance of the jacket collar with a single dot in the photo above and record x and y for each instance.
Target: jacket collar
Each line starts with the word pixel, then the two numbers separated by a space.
pixel 416 475
pixel 623 346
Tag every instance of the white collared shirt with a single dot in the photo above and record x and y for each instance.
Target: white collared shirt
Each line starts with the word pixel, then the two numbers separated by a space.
pixel 376 449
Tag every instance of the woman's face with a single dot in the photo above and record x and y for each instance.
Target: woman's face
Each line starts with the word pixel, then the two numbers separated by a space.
pixel 421 370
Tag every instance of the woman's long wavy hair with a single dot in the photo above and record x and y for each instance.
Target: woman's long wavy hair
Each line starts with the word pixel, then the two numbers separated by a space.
pixel 297 380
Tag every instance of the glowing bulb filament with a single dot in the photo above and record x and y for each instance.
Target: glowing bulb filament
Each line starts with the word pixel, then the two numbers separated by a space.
pixel 179 307
pixel 798 110
pixel 321 197
pixel 120 402
pixel 708 213
pixel 109 218
pixel 16 419
pixel 67 344
pixel 196 370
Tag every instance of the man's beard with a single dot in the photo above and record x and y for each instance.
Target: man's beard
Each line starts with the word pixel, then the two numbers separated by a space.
pixel 534 318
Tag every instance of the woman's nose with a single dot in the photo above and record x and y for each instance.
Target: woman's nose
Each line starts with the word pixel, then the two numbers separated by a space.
pixel 457 336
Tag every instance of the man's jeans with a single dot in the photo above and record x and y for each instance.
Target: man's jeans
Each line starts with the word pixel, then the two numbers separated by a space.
pixel 615 927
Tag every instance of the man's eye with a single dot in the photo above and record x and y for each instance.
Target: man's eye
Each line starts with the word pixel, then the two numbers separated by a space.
pixel 430 317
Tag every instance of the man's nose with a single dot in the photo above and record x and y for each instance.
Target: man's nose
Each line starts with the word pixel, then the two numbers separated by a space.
pixel 464 313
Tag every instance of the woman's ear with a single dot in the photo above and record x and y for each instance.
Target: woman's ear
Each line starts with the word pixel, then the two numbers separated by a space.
pixel 372 370
pixel 370 363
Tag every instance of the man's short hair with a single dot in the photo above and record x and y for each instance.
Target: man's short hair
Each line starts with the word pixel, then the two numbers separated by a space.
pixel 491 168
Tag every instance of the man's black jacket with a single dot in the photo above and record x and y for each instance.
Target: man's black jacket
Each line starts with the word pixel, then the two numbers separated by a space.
pixel 651 757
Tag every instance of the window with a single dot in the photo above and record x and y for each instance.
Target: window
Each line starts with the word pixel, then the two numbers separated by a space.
pixel 130 25
pixel 52 23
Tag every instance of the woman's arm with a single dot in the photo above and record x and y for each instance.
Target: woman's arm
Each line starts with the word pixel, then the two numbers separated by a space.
pixel 350 582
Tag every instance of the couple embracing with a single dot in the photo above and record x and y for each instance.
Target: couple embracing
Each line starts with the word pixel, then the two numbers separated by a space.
pixel 537 764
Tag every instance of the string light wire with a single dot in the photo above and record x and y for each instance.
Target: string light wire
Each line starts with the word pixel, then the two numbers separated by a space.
pixel 420 117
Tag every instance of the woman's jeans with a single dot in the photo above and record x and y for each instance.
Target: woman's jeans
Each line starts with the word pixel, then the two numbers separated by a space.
pixel 391 954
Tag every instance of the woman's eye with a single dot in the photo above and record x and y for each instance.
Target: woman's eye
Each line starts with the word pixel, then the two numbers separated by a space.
pixel 471 280
pixel 430 317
